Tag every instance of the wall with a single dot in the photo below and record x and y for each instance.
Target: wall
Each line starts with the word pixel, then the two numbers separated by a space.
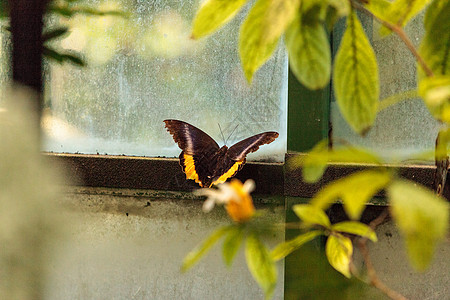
pixel 109 255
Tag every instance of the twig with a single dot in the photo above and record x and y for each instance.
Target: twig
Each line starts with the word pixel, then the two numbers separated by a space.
pixel 401 34
pixel 374 280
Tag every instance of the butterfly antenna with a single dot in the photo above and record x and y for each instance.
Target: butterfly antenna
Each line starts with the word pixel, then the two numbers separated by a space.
pixel 221 132
pixel 232 133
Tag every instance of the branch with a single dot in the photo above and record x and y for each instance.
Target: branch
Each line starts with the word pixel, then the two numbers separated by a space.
pixel 374 280
pixel 401 34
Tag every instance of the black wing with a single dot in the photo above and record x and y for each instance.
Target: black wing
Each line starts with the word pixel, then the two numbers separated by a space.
pixel 198 157
pixel 189 138
pixel 234 159
pixel 239 151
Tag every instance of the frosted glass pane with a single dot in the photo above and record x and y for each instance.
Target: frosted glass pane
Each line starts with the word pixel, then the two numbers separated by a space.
pixel 144 69
pixel 406 127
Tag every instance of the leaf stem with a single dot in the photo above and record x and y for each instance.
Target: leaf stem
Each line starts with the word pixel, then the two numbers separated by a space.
pixel 400 33
pixel 374 280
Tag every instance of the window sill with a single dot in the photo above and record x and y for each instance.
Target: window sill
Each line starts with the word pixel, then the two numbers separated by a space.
pixel 164 174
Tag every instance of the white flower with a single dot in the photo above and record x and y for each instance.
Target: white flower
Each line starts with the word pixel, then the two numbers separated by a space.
pixel 225 193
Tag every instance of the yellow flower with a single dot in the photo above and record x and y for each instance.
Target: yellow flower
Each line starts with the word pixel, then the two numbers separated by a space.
pixel 235 196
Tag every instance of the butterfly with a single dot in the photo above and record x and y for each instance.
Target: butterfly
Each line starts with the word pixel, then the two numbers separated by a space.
pixel 204 161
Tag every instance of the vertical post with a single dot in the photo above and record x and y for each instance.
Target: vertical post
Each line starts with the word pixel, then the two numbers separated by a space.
pixel 26 28
pixel 308 115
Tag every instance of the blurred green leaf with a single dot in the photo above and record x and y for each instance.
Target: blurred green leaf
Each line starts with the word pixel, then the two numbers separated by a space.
pixel 355 77
pixel 339 250
pixel 442 143
pixel 315 162
pixel 232 243
pixel 342 7
pixel 336 9
pixel 61 10
pixel 421 216
pixel 378 8
pixel 69 11
pixel 431 13
pixel 261 265
pixel 254 48
pixel 62 57
pixel 280 14
pixel 354 190
pixel 435 91
pixel 4 9
pixel 400 12
pixel 434 47
pixel 309 53
pixel 284 249
pixel 213 14
pixel 356 228
pixel 396 98
pixel 54 33
pixel 313 11
pixel 311 215
pixel 194 256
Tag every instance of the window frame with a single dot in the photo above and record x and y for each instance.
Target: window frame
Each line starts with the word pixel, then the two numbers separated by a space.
pixel 308 123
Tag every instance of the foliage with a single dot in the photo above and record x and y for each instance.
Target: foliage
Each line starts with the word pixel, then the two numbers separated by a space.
pixel 355 77
pixel 259 261
pixel 68 9
pixel 421 215
pixel 422 218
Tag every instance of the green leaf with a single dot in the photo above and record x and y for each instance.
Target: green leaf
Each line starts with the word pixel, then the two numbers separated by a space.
pixel 434 47
pixel 396 98
pixel 284 249
pixel 435 91
pixel 402 11
pixel 315 162
pixel 311 215
pixel 356 77
pixel 54 33
pixel 336 9
pixel 194 256
pixel 4 8
pixel 61 10
pixel 309 53
pixel 279 15
pixel 354 190
pixel 231 244
pixel 442 143
pixel 261 265
pixel 421 216
pixel 431 13
pixel 378 8
pixel 339 250
pixel 356 228
pixel 213 14
pixel 254 47
pixel 69 11
pixel 63 57
pixel 342 7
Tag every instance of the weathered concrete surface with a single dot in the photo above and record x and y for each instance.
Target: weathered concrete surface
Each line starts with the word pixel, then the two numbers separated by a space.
pixel 109 255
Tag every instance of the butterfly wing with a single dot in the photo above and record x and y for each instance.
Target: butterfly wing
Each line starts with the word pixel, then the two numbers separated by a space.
pixel 234 159
pixel 198 157
pixel 239 151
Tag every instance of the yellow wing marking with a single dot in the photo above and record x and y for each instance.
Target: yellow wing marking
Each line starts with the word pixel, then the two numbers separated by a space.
pixel 229 173
pixel 189 169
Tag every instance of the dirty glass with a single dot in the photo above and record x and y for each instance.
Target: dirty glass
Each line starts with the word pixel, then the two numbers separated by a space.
pixel 406 127
pixel 144 68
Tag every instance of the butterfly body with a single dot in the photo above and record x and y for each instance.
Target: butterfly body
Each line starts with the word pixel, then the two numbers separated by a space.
pixel 201 158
